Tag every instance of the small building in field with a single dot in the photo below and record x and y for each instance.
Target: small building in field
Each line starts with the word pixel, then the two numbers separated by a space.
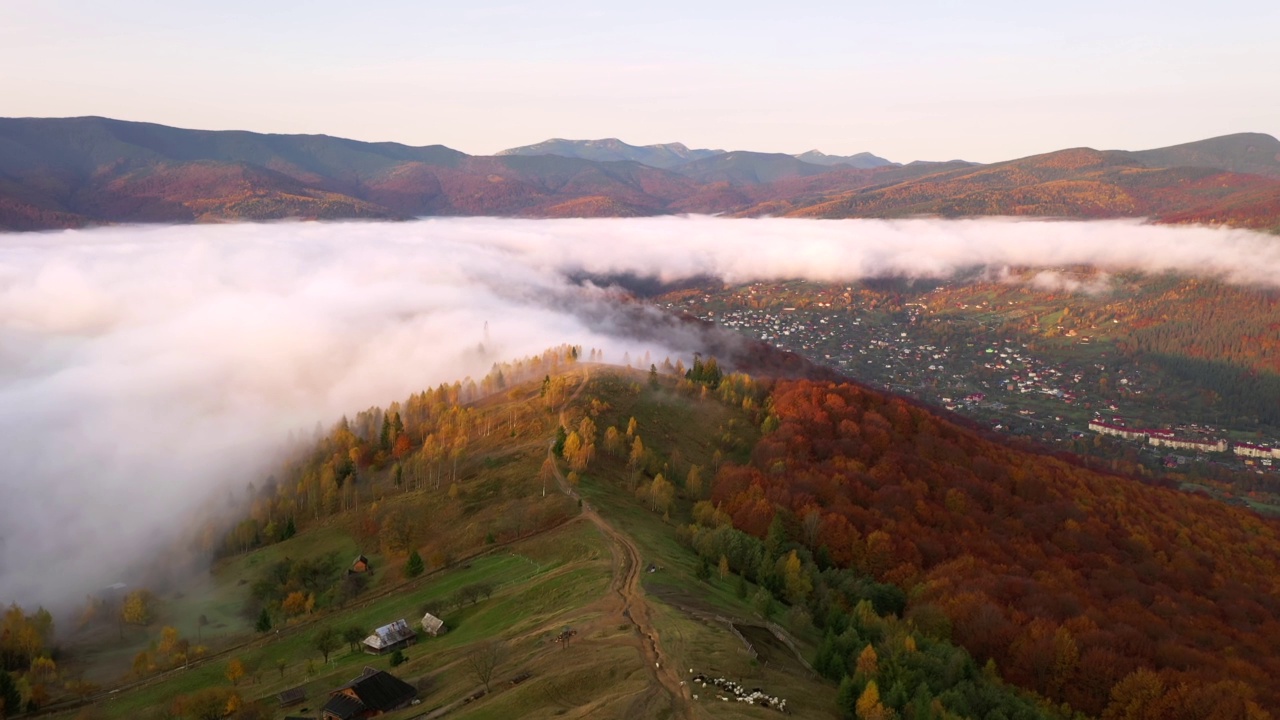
pixel 361 565
pixel 293 696
pixel 374 693
pixel 433 625
pixel 390 638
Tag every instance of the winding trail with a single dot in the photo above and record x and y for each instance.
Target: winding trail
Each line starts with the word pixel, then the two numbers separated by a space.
pixel 630 603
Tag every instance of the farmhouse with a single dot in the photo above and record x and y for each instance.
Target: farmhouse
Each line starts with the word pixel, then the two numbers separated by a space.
pixel 372 694
pixel 390 638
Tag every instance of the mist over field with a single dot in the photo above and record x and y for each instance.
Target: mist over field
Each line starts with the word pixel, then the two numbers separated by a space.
pixel 144 368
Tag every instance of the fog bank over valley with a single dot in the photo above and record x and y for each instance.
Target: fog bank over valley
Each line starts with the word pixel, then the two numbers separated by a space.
pixel 144 368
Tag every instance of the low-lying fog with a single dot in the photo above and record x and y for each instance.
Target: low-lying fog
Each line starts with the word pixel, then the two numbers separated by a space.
pixel 143 367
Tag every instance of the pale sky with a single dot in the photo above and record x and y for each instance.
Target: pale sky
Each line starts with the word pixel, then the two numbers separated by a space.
pixel 977 80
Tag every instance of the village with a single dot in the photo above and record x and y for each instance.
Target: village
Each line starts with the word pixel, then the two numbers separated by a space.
pixel 999 380
pixel 1005 381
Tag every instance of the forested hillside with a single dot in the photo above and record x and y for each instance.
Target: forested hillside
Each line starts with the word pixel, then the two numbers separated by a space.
pixel 928 570
pixel 1122 599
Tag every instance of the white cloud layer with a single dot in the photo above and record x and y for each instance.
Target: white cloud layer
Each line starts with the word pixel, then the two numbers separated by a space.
pixel 143 367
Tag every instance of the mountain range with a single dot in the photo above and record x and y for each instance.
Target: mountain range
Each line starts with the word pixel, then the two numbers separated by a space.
pixel 73 172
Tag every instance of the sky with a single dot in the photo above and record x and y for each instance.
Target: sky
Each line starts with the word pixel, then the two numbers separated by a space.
pixel 981 81
pixel 148 371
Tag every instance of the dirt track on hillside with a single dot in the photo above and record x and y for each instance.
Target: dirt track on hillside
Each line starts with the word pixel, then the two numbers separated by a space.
pixel 630 603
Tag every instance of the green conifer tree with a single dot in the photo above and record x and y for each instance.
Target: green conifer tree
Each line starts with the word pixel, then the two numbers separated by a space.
pixel 414 566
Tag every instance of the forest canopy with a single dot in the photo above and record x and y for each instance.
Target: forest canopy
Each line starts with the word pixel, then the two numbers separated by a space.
pixel 1069 579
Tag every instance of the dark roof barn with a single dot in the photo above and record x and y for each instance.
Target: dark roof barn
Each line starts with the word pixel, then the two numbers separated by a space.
pixel 373 693
pixel 293 696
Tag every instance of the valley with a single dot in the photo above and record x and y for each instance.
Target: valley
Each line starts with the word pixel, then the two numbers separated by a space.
pixel 1045 361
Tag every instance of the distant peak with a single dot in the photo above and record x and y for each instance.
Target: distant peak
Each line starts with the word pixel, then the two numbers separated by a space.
pixel 862 160
pixel 664 156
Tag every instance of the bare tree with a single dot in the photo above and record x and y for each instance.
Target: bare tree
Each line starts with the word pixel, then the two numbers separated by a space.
pixel 484 660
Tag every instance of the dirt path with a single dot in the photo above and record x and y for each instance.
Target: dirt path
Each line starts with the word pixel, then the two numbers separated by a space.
pixel 630 603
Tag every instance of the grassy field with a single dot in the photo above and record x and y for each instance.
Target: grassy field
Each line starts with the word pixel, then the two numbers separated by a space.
pixel 534 580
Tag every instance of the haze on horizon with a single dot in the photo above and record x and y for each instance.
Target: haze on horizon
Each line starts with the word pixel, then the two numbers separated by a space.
pixel 906 81
pixel 147 369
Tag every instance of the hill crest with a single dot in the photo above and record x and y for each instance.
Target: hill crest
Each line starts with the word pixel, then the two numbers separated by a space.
pixel 1255 153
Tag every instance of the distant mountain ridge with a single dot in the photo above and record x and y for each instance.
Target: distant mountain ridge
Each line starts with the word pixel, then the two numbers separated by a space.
pixel 669 156
pixel 1086 183
pixel 73 172
pixel 664 156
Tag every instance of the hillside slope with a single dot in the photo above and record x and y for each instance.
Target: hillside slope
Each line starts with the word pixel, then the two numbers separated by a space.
pixel 844 526
pixel 1081 585
pixel 748 168
pixel 1254 153
pixel 1077 183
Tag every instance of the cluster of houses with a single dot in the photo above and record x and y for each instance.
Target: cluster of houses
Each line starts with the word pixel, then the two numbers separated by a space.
pixel 375 692
pixel 834 337
pixel 1169 439
pixel 892 354
pixel 1032 375
pixel 399 635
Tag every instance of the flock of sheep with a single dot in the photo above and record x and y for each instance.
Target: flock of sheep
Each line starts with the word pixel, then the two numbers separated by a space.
pixel 736 692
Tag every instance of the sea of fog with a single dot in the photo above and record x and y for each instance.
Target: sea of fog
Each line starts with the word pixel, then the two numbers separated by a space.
pixel 143 368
